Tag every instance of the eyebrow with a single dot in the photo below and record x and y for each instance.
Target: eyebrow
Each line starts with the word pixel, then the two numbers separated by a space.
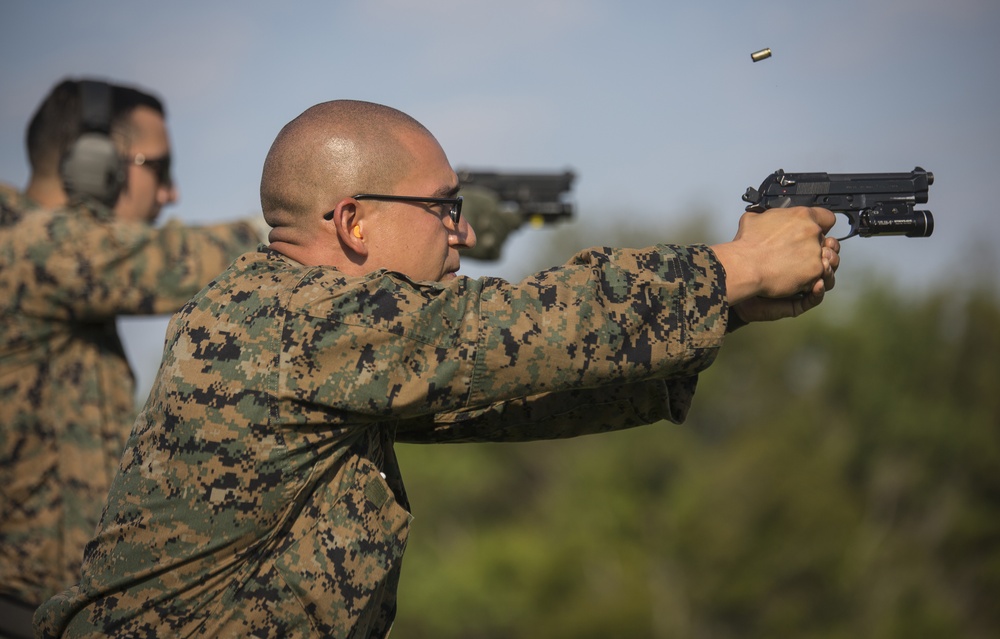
pixel 448 191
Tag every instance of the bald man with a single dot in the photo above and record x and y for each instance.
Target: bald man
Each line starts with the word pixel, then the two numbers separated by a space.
pixel 260 494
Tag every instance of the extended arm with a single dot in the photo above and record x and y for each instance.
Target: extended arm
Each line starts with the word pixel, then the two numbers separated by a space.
pixel 557 415
pixel 72 264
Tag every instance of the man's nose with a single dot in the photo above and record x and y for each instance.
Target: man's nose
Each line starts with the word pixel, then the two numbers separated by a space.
pixel 466 235
pixel 168 193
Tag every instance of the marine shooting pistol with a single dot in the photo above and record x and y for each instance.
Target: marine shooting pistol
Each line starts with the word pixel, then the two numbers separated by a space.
pixel 497 203
pixel 538 197
pixel 874 203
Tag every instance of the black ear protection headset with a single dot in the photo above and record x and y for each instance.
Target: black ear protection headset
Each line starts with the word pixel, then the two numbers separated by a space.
pixel 93 166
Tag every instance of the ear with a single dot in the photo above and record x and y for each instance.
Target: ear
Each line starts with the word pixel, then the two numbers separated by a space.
pixel 346 219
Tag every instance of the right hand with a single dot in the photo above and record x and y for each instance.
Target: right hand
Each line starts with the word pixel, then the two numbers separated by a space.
pixel 779 253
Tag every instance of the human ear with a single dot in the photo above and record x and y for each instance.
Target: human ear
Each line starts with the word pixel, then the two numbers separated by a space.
pixel 346 218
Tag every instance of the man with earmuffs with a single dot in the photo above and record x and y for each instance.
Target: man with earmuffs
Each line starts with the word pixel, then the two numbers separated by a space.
pixel 77 249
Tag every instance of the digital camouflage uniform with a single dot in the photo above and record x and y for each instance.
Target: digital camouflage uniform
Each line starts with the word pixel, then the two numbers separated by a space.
pixel 259 494
pixel 66 390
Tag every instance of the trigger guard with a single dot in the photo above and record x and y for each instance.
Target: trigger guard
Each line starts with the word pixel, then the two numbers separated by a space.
pixel 855 221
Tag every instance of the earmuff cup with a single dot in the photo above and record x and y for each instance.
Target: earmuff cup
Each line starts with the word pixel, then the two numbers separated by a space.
pixel 93 167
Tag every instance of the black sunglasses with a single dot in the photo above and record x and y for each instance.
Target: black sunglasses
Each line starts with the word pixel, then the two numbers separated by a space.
pixel 159 166
pixel 455 212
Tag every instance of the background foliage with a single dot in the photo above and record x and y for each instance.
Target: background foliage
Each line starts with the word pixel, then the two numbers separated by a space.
pixel 839 476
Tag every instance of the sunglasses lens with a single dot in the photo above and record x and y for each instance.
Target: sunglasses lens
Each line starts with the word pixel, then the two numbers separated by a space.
pixel 163 170
pixel 159 166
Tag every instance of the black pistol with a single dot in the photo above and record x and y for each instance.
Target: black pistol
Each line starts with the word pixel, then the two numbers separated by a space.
pixel 874 203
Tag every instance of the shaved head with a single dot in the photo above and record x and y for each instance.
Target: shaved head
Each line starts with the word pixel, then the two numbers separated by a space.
pixel 334 150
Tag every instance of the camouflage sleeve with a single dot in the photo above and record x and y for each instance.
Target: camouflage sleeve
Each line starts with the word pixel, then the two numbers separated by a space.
pixel 79 267
pixel 622 316
pixel 557 415
pixel 390 348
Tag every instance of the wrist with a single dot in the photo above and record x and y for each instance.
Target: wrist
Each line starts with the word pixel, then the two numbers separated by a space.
pixel 742 275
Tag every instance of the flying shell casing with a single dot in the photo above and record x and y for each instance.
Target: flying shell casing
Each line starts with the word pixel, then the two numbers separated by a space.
pixel 763 54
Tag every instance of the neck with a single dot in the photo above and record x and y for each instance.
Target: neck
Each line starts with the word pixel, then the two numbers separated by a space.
pixel 315 255
pixel 46 191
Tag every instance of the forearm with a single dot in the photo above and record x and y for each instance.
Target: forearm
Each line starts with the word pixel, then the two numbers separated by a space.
pixel 557 415
pixel 617 317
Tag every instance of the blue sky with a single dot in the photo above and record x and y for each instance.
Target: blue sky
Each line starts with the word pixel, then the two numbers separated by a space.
pixel 656 106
